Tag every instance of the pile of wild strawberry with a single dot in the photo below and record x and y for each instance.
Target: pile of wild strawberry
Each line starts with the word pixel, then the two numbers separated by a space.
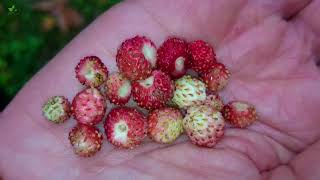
pixel 187 104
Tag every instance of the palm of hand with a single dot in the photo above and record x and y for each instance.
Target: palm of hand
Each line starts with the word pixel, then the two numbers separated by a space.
pixel 272 66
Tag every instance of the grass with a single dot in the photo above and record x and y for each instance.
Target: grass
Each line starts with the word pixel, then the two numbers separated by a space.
pixel 25 47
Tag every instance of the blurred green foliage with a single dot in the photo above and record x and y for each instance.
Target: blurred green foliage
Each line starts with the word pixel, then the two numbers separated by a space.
pixel 25 47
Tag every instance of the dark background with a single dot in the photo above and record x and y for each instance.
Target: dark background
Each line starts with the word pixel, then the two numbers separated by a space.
pixel 33 31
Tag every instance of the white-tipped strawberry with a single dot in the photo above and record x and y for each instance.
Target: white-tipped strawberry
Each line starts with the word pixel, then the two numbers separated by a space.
pixel 189 91
pixel 239 113
pixel 173 58
pixel 136 57
pixel 89 106
pixel 85 140
pixel 204 125
pixel 125 127
pixel 91 71
pixel 217 78
pixel 165 125
pixel 153 92
pixel 215 101
pixel 56 109
pixel 118 89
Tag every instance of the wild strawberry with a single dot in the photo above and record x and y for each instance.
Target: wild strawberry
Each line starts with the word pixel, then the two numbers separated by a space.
pixel 165 125
pixel 203 125
pixel 118 89
pixel 217 78
pixel 85 140
pixel 88 106
pixel 56 109
pixel 202 56
pixel 136 57
pixel 91 71
pixel 153 92
pixel 189 91
pixel 173 57
pixel 239 113
pixel 125 127
pixel 215 101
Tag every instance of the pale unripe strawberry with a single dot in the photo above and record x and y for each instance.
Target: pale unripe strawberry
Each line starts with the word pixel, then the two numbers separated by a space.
pixel 188 91
pixel 165 125
pixel 56 109
pixel 204 125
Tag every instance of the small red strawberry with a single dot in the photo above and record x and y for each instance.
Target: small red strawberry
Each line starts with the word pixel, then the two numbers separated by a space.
pixel 136 58
pixel 118 89
pixel 56 109
pixel 202 56
pixel 88 106
pixel 172 57
pixel 125 127
pixel 239 113
pixel 85 140
pixel 204 125
pixel 165 125
pixel 215 101
pixel 153 92
pixel 217 78
pixel 91 72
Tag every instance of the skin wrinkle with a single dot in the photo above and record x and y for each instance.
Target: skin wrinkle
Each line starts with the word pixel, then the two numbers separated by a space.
pixel 271 53
pixel 272 142
pixel 233 25
pixel 248 145
pixel 228 28
pixel 132 165
pixel 244 156
pixel 277 141
pixel 268 140
pixel 257 23
pixel 187 170
pixel 284 110
pixel 291 69
pixel 292 170
pixel 246 55
pixel 269 175
pixel 140 154
pixel 315 35
pixel 240 152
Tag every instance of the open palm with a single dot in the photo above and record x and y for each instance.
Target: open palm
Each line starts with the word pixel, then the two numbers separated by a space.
pixel 270 48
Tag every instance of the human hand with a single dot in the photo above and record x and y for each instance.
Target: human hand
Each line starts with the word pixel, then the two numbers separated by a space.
pixel 272 61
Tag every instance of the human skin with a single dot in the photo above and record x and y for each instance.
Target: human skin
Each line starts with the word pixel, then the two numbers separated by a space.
pixel 271 49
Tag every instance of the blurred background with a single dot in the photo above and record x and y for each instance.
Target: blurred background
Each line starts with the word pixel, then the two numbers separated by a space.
pixel 33 31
